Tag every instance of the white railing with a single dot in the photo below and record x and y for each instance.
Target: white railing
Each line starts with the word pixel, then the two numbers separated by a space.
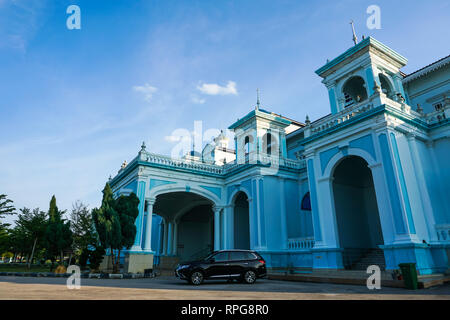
pixel 196 165
pixel 333 120
pixel 443 232
pixel 301 243
pixel 436 116
pixel 180 163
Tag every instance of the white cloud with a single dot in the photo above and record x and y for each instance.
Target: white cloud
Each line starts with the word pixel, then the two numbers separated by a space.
pixel 195 99
pixel 172 138
pixel 147 90
pixel 215 89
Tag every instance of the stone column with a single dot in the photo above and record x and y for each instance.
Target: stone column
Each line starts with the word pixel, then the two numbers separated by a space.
pixel 228 241
pixel 258 212
pixel 420 178
pixel 165 238
pixel 283 221
pixel 175 238
pixel 160 238
pixel 170 238
pixel 217 227
pixel 148 234
pixel 137 246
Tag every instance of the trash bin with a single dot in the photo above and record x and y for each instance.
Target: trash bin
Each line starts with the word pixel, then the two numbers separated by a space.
pixel 409 274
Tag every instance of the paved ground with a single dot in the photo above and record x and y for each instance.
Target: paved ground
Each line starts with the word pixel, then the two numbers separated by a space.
pixel 172 288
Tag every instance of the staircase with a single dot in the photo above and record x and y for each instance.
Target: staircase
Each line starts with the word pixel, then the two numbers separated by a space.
pixel 371 257
pixel 201 254
pixel 167 266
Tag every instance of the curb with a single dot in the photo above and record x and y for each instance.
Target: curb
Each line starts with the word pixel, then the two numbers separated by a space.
pixel 83 275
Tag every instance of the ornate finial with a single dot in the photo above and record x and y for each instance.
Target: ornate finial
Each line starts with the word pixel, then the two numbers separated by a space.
pixel 355 38
pixel 257 99
pixel 143 146
pixel 307 121
pixel 124 164
pixel 110 178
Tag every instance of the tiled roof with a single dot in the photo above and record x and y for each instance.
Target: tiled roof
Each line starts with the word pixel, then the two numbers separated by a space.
pixel 427 69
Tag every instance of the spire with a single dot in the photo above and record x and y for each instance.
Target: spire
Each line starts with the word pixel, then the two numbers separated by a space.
pixel 355 38
pixel 257 99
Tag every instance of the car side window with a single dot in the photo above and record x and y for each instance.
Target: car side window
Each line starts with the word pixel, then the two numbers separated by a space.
pixel 250 256
pixel 221 256
pixel 234 256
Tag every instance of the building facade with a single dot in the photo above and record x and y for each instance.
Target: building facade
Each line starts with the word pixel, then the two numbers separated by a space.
pixel 363 185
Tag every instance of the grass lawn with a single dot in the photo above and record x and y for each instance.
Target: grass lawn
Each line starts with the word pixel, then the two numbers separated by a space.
pixel 6 267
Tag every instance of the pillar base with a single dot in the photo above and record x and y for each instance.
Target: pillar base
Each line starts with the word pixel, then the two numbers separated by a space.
pixel 429 259
pixel 106 264
pixel 327 258
pixel 137 262
pixel 135 248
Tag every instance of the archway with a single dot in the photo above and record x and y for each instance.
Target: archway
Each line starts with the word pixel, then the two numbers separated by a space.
pixel 354 90
pixel 386 86
pixel 357 215
pixel 187 231
pixel 241 221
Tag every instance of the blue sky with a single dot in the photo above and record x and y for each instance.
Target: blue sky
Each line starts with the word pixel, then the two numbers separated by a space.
pixel 75 103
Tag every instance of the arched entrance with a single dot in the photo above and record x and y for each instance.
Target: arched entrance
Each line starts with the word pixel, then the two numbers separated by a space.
pixel 187 230
pixel 241 222
pixel 196 233
pixel 357 215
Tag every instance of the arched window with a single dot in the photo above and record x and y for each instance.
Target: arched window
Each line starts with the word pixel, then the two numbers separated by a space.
pixel 354 91
pixel 247 145
pixel 248 140
pixel 270 145
pixel 306 202
pixel 385 85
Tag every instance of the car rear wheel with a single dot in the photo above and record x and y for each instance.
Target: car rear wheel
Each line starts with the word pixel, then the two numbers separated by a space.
pixel 249 277
pixel 196 278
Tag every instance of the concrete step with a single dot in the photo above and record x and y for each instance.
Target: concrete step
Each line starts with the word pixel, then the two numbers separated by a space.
pixel 358 278
pixel 339 277
pixel 167 266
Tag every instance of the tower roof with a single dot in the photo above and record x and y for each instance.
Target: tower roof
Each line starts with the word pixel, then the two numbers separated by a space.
pixel 362 47
pixel 260 113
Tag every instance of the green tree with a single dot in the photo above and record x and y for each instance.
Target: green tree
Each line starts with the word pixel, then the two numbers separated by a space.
pixel 114 222
pixel 128 209
pixel 6 206
pixel 29 231
pixel 85 238
pixel 5 239
pixel 58 236
pixel 82 226
pixel 107 222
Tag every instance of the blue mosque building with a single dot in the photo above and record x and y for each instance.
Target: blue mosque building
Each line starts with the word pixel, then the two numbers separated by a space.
pixel 365 184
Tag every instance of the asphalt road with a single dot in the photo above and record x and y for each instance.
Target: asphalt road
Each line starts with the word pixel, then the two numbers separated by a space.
pixel 172 288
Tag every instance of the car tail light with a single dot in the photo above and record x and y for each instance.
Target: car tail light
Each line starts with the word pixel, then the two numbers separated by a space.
pixel 262 261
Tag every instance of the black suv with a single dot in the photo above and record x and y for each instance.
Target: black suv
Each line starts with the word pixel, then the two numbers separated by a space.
pixel 243 265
